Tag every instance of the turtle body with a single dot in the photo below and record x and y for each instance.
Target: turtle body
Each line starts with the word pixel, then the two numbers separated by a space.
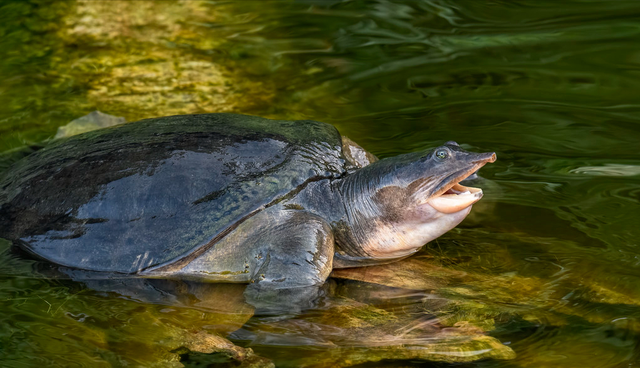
pixel 142 204
pixel 230 198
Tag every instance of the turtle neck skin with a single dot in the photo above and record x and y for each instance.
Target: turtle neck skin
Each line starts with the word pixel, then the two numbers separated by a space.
pixel 383 212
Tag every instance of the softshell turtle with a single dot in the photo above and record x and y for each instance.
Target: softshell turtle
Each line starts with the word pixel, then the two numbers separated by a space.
pixel 231 198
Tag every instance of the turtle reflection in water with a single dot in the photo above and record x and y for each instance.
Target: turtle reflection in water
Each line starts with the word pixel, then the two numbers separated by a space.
pixel 367 320
pixel 231 198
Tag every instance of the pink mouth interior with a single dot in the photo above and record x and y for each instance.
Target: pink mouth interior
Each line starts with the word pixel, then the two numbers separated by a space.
pixel 456 198
pixel 458 189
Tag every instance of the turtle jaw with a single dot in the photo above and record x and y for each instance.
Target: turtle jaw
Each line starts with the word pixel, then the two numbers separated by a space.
pixel 454 197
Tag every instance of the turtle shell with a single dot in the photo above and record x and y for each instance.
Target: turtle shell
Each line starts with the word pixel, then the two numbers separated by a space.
pixel 135 196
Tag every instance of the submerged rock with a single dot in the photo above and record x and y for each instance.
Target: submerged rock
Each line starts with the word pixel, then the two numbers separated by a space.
pixel 349 332
pixel 413 273
pixel 92 121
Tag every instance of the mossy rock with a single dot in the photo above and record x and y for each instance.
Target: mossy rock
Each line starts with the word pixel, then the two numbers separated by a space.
pixel 349 332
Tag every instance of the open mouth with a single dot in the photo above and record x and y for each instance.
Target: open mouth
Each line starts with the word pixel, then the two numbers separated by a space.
pixel 456 197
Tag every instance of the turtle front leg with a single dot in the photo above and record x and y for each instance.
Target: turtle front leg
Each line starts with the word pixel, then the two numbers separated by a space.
pixel 294 258
pixel 284 255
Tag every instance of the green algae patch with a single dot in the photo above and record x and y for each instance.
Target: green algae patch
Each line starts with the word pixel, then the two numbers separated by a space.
pixel 197 320
pixel 451 349
pixel 62 322
pixel 412 273
pixel 155 59
pixel 135 59
pixel 373 316
pixel 350 314
pixel 349 332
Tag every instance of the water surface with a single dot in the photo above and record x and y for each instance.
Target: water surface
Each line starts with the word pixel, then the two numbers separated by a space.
pixel 550 254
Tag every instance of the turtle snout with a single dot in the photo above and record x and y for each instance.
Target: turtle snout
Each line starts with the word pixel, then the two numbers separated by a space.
pixel 484 158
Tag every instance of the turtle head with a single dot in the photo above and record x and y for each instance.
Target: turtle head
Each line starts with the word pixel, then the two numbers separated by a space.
pixel 396 205
pixel 433 178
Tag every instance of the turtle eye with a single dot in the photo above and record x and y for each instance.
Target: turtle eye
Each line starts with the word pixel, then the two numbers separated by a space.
pixel 442 154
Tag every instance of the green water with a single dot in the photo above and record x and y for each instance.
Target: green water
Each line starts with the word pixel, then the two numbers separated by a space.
pixel 551 86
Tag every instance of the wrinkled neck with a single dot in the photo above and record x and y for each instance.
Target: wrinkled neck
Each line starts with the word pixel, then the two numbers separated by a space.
pixel 382 221
pixel 366 233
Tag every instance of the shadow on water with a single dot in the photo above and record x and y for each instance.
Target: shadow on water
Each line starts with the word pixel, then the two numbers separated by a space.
pixel 547 263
